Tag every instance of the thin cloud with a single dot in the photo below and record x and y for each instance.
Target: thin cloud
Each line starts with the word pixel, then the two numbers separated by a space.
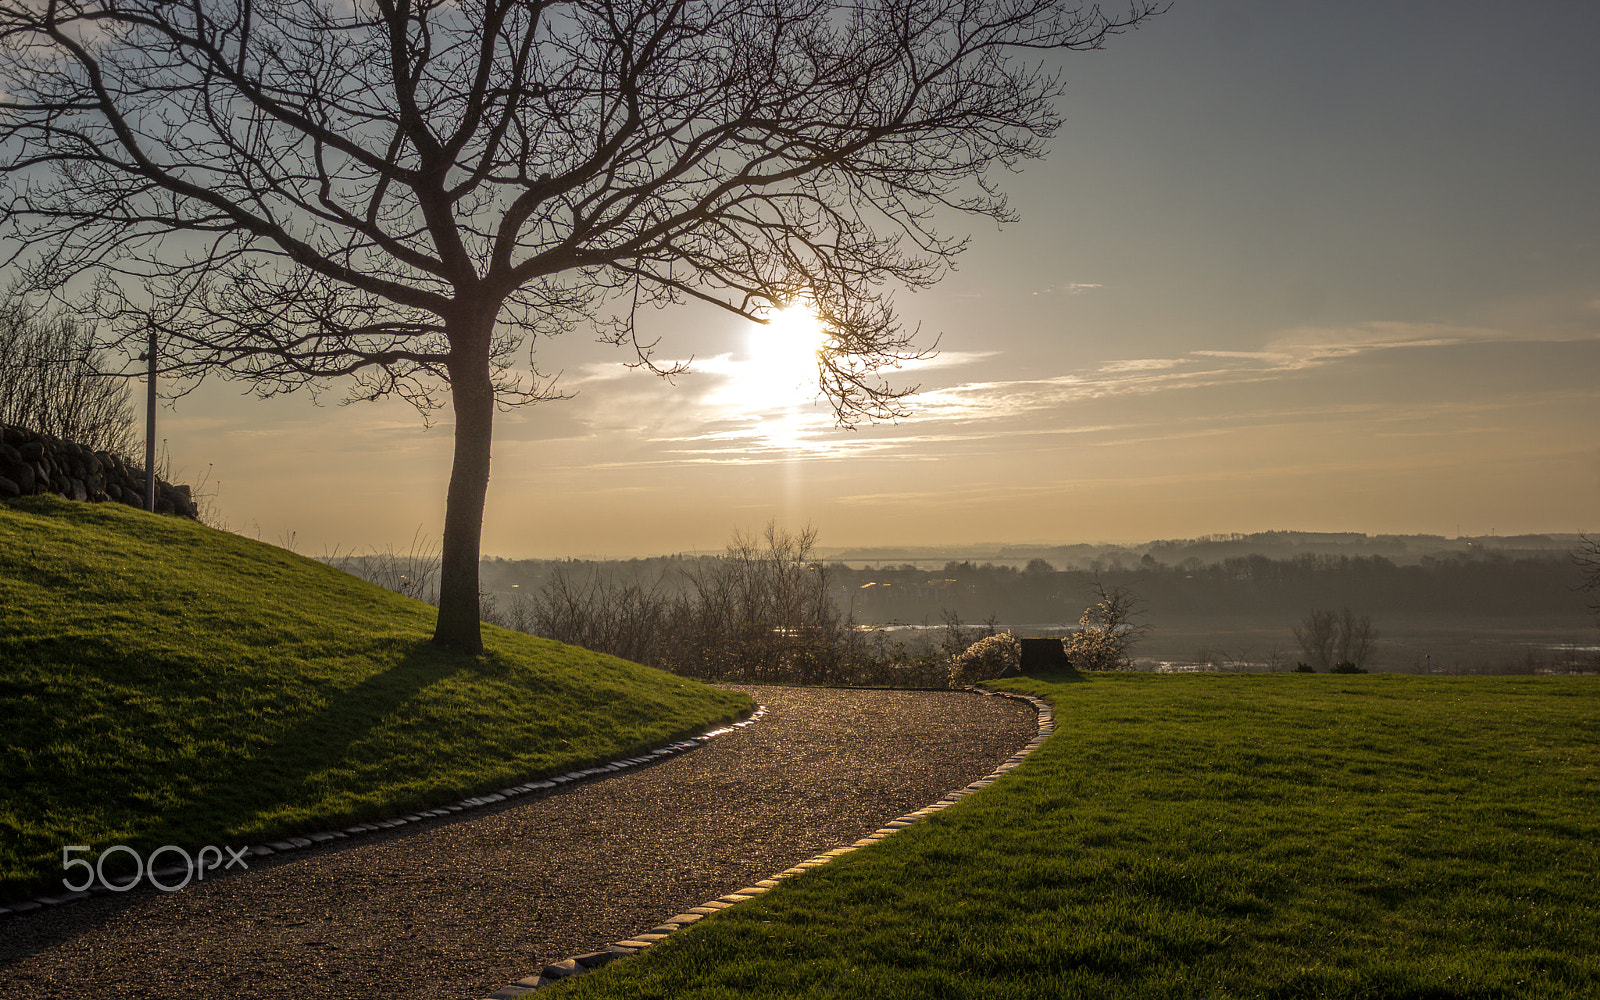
pixel 1143 365
pixel 708 421
pixel 1312 344
pixel 1291 353
pixel 1070 288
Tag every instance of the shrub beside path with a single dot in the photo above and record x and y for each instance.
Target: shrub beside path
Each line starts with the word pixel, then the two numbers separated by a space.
pixel 456 908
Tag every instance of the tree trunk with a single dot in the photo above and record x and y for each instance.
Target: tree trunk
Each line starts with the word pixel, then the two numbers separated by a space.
pixel 472 396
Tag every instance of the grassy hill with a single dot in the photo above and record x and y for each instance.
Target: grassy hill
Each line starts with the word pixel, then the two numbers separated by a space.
pixel 165 683
pixel 1275 836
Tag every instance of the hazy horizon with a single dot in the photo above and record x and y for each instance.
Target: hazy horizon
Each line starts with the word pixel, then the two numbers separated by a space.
pixel 1019 551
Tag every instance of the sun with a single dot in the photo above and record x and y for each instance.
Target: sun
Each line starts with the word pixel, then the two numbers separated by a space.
pixel 784 355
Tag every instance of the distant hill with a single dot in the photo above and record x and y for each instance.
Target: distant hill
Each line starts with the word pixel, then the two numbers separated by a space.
pixel 1404 550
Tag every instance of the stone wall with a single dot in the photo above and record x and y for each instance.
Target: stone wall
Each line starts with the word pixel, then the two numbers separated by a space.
pixel 32 463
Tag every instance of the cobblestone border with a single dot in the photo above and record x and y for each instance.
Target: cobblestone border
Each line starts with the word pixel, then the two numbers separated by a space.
pixel 577 965
pixel 39 903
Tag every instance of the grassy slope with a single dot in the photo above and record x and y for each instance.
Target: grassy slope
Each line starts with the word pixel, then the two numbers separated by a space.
pixel 165 683
pixel 1211 836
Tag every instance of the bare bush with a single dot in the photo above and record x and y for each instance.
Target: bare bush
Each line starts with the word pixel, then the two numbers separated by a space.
pixel 50 382
pixel 1218 658
pixel 625 619
pixel 1107 631
pixel 414 574
pixel 761 612
pixel 995 656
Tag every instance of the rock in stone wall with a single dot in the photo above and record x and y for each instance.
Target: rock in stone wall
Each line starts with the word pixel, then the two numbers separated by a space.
pixel 32 463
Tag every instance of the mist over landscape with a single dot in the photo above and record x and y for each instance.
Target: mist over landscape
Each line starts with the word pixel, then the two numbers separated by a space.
pixel 1486 604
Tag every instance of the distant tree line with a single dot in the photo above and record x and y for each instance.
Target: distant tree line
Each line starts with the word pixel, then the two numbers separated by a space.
pixel 1487 584
pixel 1481 584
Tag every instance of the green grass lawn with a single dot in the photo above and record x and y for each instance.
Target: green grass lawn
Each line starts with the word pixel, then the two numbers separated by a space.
pixel 165 683
pixel 1210 836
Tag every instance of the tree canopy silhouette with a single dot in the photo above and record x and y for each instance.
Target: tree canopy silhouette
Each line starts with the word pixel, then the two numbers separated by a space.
pixel 400 195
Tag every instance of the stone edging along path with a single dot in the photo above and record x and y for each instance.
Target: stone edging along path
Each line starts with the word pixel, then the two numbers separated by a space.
pixel 174 874
pixel 580 964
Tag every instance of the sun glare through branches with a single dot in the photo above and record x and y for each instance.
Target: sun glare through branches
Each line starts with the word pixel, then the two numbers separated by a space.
pixel 783 358
pixel 777 379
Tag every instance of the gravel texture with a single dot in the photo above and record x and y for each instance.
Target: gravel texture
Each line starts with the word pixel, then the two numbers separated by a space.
pixel 455 908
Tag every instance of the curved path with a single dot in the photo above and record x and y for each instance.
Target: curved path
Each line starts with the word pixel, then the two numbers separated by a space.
pixel 456 908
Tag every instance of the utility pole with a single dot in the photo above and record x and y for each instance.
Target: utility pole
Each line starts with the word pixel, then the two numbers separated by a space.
pixel 150 424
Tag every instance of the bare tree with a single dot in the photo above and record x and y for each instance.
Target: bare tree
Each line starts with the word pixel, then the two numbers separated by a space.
pixel 1316 634
pixel 1357 638
pixel 50 382
pixel 400 193
pixel 1587 557
pixel 1329 638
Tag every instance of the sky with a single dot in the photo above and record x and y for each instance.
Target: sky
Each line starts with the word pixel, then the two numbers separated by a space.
pixel 1298 266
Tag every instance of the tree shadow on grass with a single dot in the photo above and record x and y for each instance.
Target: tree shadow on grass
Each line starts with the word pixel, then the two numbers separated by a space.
pixel 228 791
pixel 237 788
pixel 1066 676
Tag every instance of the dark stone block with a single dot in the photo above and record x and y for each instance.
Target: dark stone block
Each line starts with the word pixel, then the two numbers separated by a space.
pixel 10 455
pixel 1043 655
pixel 8 488
pixel 32 451
pixel 20 473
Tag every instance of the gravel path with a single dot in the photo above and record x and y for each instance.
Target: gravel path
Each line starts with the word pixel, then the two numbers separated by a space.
pixel 457 908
